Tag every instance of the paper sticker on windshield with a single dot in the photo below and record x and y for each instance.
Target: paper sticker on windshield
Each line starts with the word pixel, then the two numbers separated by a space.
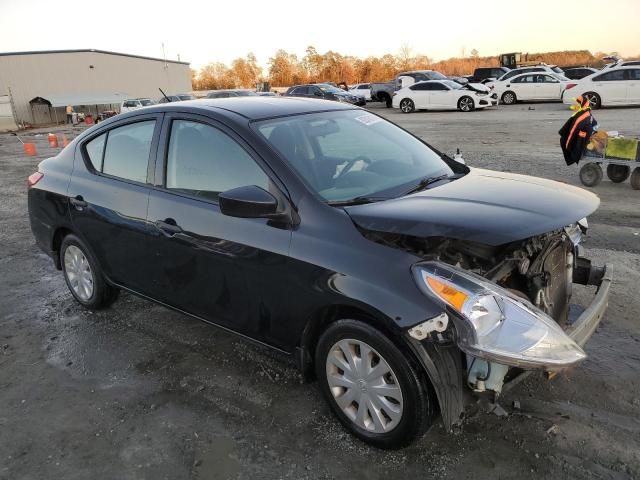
pixel 368 119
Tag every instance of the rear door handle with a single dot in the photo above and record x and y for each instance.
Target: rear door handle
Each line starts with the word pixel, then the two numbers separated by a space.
pixel 168 226
pixel 78 202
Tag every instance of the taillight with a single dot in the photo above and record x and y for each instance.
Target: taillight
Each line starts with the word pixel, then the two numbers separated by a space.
pixel 571 85
pixel 34 178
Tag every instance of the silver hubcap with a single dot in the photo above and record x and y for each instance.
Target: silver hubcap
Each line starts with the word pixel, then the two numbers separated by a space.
pixel 465 104
pixel 592 99
pixel 508 98
pixel 364 386
pixel 78 272
pixel 406 106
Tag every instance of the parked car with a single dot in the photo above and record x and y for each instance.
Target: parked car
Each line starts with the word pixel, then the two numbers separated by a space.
pixel 135 103
pixel 486 74
pixel 610 87
pixel 531 86
pixel 326 92
pixel 383 92
pixel 532 69
pixel 401 279
pixel 577 73
pixel 180 97
pixel 267 94
pixel 442 95
pixel 362 89
pixel 231 93
pixel 619 62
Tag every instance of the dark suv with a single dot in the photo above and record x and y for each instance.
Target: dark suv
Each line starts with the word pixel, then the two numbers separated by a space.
pixel 399 278
pixel 485 74
pixel 325 91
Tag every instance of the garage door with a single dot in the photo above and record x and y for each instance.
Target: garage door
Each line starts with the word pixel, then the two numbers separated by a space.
pixel 7 121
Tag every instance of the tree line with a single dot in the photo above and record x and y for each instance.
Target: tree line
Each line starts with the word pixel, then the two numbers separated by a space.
pixel 286 69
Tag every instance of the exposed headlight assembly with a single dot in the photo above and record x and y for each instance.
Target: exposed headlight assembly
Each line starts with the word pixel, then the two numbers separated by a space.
pixel 496 324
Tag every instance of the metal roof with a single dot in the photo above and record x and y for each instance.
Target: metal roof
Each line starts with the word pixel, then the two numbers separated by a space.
pixel 88 50
pixel 88 98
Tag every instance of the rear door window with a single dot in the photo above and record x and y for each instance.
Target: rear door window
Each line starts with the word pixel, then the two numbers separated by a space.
pixel 127 151
pixel 634 74
pixel 616 75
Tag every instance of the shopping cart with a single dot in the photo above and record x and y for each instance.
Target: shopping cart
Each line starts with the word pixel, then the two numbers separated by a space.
pixel 620 156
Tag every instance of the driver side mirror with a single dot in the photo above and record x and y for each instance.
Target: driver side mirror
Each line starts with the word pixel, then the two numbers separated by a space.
pixel 248 202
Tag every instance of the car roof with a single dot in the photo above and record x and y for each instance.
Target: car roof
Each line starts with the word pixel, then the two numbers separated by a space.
pixel 256 108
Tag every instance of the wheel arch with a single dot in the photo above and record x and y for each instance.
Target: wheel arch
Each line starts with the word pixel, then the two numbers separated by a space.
pixel 56 243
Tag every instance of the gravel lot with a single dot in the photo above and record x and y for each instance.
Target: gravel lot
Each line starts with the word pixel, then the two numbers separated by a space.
pixel 137 391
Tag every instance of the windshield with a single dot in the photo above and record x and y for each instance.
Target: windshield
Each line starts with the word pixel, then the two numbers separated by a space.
pixel 146 102
pixel 348 154
pixel 186 97
pixel 436 76
pixel 558 70
pixel 245 93
pixel 451 84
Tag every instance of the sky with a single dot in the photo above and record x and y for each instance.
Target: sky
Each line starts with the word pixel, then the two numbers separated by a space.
pixel 213 31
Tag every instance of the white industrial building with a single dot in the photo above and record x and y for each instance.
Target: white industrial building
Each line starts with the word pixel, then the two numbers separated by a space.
pixel 35 87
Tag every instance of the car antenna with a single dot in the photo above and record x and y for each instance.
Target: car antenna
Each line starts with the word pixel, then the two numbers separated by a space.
pixel 164 95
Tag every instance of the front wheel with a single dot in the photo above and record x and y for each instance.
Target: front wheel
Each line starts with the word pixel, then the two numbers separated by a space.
pixel 590 174
pixel 371 386
pixel 83 275
pixel 509 98
pixel 407 105
pixel 466 104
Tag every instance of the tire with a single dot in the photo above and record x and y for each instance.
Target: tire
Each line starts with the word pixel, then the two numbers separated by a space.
pixel 509 98
pixel 466 104
pixel 594 99
pixel 407 105
pixel 590 174
pixel 83 275
pixel 391 420
pixel 618 173
pixel 635 179
pixel 384 97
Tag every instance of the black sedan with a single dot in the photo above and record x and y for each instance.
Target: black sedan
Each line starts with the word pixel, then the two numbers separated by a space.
pixel 398 277
pixel 326 92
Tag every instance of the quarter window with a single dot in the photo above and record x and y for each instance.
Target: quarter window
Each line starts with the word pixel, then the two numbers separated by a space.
pixel 610 76
pixel 634 74
pixel 127 151
pixel 95 151
pixel 420 86
pixel 203 161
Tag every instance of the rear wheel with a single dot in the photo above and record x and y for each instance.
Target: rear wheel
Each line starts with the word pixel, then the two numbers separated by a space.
pixel 83 275
pixel 407 105
pixel 509 98
pixel 635 179
pixel 371 386
pixel 466 104
pixel 594 99
pixel 618 173
pixel 384 97
pixel 590 174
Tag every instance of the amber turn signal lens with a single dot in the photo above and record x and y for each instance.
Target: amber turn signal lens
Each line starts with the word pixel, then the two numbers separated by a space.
pixel 453 297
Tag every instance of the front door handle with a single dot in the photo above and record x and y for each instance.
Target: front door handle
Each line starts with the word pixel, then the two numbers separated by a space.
pixel 168 226
pixel 78 202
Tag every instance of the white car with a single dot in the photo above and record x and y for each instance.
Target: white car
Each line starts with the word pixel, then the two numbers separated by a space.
pixel 442 95
pixel 135 103
pixel 362 90
pixel 531 86
pixel 552 69
pixel 613 86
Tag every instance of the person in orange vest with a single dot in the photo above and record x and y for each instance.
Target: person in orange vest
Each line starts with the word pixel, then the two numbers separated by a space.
pixel 69 114
pixel 575 133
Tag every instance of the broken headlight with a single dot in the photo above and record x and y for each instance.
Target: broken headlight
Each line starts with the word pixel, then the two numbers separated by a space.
pixel 496 324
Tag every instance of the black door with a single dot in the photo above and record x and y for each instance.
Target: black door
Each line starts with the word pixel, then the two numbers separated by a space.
pixel 109 194
pixel 206 263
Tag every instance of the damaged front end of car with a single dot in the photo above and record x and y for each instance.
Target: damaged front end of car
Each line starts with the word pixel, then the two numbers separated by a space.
pixel 506 308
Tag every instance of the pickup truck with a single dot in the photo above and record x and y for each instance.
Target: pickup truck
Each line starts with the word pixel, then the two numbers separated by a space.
pixel 382 92
pixel 485 74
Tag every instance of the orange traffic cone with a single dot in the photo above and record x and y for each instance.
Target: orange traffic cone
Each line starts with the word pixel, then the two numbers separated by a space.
pixel 29 149
pixel 65 140
pixel 53 140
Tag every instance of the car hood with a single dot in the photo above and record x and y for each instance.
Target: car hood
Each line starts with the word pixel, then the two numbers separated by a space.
pixel 484 206
pixel 476 87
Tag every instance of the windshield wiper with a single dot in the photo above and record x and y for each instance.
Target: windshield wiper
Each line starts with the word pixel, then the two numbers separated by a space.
pixel 356 201
pixel 425 182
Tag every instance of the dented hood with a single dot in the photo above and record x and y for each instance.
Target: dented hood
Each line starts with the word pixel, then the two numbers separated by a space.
pixel 484 206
